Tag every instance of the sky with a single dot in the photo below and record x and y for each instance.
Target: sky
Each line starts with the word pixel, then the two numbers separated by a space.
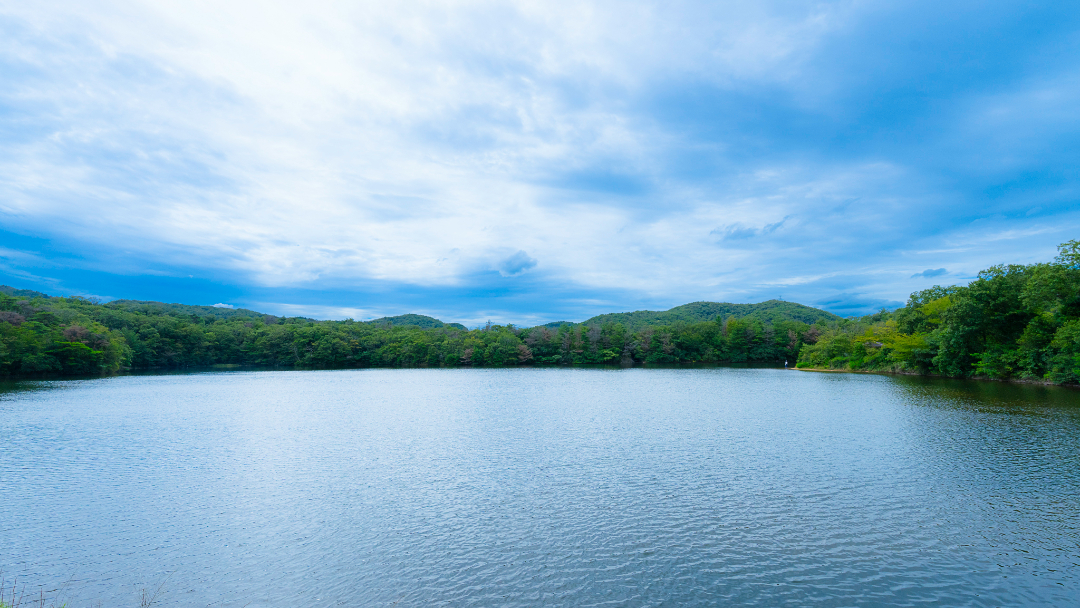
pixel 527 162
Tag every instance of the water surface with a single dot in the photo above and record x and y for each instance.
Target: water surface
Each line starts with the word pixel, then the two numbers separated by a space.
pixel 530 487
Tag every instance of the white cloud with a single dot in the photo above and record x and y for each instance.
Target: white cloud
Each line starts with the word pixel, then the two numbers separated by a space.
pixel 323 140
pixel 290 144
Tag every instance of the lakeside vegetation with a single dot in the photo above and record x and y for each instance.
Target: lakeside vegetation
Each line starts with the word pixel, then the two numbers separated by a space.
pixel 54 336
pixel 1012 322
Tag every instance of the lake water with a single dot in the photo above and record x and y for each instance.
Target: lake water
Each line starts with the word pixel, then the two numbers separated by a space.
pixel 541 487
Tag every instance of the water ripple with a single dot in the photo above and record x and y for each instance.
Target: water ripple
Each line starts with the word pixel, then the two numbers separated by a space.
pixel 542 487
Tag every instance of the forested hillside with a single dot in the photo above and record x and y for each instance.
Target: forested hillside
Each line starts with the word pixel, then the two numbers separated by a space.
pixel 21 293
pixel 43 336
pixel 180 310
pixel 417 320
pixel 1012 322
pixel 772 311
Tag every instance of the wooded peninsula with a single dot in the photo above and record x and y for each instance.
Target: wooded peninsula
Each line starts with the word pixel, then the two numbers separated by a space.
pixel 1018 322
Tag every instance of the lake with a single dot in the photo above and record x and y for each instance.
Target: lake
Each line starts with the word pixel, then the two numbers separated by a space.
pixel 541 487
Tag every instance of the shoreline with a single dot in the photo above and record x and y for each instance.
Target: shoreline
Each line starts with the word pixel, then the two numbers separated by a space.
pixel 163 371
pixel 900 373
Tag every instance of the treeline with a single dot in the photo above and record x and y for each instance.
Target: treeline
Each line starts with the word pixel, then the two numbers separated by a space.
pixel 1012 322
pixel 48 336
pixel 768 312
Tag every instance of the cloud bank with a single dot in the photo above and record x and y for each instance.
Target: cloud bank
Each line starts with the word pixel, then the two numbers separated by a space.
pixel 398 158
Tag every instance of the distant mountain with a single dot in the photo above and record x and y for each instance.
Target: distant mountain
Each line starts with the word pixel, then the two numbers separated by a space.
pixel 183 310
pixel 423 321
pixel 151 307
pixel 21 293
pixel 770 311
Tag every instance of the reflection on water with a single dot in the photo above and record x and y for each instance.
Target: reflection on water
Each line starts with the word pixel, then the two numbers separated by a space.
pixel 1022 399
pixel 657 487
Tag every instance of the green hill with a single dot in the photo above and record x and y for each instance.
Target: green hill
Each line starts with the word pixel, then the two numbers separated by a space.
pixel 422 321
pixel 149 307
pixel 696 312
pixel 183 310
pixel 21 293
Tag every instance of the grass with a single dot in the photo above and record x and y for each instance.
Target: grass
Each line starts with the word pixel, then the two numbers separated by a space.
pixel 17 597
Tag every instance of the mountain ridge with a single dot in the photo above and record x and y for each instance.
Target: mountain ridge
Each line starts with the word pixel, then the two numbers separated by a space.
pixel 695 312
pixel 422 321
pixel 769 312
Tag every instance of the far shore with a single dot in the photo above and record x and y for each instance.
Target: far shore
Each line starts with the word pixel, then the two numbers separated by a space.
pixel 902 373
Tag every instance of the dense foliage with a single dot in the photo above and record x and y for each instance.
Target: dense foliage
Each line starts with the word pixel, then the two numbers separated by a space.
pixel 1012 322
pixel 768 312
pixel 40 335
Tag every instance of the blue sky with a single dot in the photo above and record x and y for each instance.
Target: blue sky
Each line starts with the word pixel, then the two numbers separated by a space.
pixel 532 161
